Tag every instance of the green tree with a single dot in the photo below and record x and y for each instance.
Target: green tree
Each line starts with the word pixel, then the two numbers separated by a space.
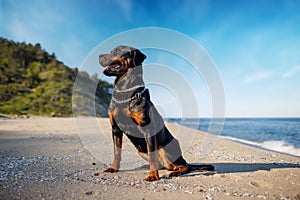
pixel 34 82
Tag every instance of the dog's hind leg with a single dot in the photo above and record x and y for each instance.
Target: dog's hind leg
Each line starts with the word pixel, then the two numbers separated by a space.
pixel 178 167
pixel 178 170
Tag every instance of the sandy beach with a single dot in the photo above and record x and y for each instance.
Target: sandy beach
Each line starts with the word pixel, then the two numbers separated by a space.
pixel 53 158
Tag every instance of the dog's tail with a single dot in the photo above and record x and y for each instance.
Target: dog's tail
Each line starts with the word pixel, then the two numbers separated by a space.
pixel 196 167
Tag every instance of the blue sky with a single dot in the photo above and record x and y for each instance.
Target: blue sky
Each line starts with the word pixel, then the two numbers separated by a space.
pixel 254 44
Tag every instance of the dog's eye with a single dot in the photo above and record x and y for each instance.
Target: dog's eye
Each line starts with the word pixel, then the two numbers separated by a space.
pixel 116 62
pixel 126 55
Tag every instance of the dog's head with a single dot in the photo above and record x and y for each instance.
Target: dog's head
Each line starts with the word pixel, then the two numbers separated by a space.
pixel 120 60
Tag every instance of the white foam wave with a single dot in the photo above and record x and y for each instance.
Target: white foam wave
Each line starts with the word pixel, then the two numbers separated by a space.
pixel 279 146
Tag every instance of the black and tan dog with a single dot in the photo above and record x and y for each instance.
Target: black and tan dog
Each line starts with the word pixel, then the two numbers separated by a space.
pixel 132 113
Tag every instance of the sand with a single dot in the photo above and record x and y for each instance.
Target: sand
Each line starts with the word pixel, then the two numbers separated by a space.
pixel 59 158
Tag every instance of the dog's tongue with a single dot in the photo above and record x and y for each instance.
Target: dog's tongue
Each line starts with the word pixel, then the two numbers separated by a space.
pixel 105 68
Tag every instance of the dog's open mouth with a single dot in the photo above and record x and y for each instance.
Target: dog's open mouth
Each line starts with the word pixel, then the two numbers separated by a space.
pixel 114 67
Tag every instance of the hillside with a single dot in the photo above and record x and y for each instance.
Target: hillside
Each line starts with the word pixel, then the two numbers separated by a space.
pixel 32 81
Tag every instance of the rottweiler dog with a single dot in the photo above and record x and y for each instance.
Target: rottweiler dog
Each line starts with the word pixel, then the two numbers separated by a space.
pixel 132 113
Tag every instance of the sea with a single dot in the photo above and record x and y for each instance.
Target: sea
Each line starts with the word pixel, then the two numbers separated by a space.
pixel 276 134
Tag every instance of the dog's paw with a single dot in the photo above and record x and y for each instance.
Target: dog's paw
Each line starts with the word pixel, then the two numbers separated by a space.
pixel 175 173
pixel 152 178
pixel 111 170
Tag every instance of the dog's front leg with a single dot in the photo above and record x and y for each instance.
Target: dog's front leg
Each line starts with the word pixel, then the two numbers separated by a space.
pixel 117 139
pixel 152 154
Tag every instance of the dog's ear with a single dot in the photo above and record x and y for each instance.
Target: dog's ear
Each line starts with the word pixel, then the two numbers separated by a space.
pixel 137 57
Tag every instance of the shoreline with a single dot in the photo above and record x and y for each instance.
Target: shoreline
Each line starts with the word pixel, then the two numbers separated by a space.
pixel 46 158
pixel 259 145
pixel 280 144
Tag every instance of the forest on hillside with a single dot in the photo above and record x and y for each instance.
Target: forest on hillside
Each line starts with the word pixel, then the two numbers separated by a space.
pixel 34 82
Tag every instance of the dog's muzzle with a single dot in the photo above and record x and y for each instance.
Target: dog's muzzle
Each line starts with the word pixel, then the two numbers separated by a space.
pixel 110 64
pixel 114 67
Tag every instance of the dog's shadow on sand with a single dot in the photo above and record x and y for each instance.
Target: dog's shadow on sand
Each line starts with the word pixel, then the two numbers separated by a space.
pixel 225 168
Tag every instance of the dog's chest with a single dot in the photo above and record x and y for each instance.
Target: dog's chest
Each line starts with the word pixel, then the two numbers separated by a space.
pixel 123 120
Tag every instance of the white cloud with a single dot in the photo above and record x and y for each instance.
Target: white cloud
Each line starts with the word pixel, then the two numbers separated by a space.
pixel 291 72
pixel 258 76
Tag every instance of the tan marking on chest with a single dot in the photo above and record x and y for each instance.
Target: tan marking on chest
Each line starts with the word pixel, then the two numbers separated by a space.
pixel 138 117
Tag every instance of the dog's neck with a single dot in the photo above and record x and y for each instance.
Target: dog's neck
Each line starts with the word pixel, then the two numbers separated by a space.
pixel 131 79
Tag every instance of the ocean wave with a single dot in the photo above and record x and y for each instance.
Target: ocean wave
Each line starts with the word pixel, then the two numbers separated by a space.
pixel 279 146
